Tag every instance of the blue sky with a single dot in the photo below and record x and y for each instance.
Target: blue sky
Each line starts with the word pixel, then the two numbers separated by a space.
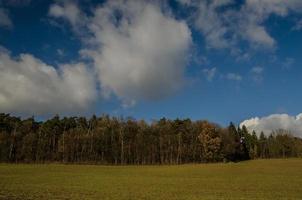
pixel 219 60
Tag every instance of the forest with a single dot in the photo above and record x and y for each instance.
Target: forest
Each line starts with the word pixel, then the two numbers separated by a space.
pixel 120 141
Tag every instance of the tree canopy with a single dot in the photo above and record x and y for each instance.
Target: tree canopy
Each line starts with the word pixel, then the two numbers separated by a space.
pixel 111 140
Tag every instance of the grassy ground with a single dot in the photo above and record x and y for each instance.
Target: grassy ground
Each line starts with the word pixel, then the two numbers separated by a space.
pixel 259 179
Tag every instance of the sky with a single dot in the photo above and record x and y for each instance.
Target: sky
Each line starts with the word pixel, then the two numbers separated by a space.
pixel 220 60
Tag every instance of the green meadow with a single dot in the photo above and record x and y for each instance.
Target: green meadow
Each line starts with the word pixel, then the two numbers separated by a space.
pixel 256 179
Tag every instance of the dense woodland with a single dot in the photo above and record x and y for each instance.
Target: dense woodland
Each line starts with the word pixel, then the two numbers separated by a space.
pixel 110 140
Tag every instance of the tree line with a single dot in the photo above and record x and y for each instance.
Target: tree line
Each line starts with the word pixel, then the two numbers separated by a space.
pixel 112 140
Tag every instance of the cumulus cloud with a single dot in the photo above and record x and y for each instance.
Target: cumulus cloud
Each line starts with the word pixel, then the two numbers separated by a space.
pixel 139 50
pixel 70 12
pixel 225 26
pixel 5 21
pixel 209 23
pixel 253 15
pixel 275 122
pixel 29 86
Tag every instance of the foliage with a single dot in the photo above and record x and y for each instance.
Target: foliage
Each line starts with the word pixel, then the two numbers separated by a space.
pixel 111 140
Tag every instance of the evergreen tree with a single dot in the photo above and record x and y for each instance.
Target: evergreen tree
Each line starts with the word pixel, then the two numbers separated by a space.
pixel 111 140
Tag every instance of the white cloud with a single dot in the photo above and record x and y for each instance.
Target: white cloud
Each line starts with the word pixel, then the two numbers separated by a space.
pixel 29 86
pixel 275 122
pixel 210 73
pixel 5 21
pixel 233 77
pixel 139 49
pixel 225 26
pixel 254 13
pixel 69 11
pixel 210 24
pixel 257 35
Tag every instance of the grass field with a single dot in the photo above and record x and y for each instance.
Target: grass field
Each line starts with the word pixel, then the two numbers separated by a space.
pixel 259 179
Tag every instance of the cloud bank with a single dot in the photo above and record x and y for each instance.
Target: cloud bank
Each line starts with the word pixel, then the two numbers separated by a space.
pixel 139 49
pixel 29 86
pixel 274 122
